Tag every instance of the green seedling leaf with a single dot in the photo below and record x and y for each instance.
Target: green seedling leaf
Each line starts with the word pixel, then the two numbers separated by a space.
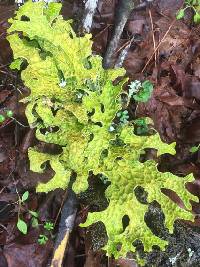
pixel 25 196
pixel 142 127
pixel 194 149
pixel 2 118
pixel 180 13
pixel 140 122
pixel 34 222
pixel 193 5
pixel 34 213
pixel 22 226
pixel 9 113
pixel 147 85
pixel 49 226
pixel 145 92
pixel 42 239
pixel 123 116
pixel 197 17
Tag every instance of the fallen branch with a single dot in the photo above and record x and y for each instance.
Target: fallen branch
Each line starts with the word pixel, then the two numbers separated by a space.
pixel 65 227
pixel 124 9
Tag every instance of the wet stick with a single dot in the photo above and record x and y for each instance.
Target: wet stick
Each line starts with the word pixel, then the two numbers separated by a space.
pixel 65 227
pixel 124 9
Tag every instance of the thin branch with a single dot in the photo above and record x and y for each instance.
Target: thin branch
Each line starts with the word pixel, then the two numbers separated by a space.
pixel 66 225
pixel 124 9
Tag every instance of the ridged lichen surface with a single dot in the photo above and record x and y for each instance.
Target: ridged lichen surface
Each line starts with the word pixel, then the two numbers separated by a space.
pixel 73 103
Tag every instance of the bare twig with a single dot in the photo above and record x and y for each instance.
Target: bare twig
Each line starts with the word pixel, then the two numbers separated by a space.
pixel 124 9
pixel 153 36
pixel 66 225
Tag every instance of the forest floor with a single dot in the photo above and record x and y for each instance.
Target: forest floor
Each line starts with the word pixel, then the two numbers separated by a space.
pixel 165 51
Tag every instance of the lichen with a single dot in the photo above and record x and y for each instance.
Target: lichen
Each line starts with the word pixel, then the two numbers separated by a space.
pixel 73 102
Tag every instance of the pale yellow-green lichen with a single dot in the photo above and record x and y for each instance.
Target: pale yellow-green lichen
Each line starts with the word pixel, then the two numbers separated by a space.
pixel 73 103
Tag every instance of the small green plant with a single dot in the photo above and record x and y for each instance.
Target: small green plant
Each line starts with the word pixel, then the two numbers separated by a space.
pixel 194 149
pixel 21 224
pixel 42 240
pixel 34 222
pixel 195 5
pixel 7 114
pixel 123 116
pixel 2 118
pixel 25 196
pixel 141 126
pixel 48 226
pixel 34 213
pixel 141 92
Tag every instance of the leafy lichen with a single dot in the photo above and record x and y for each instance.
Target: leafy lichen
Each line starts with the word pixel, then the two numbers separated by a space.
pixel 73 103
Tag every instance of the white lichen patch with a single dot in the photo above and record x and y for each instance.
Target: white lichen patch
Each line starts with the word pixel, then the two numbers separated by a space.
pixel 90 7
